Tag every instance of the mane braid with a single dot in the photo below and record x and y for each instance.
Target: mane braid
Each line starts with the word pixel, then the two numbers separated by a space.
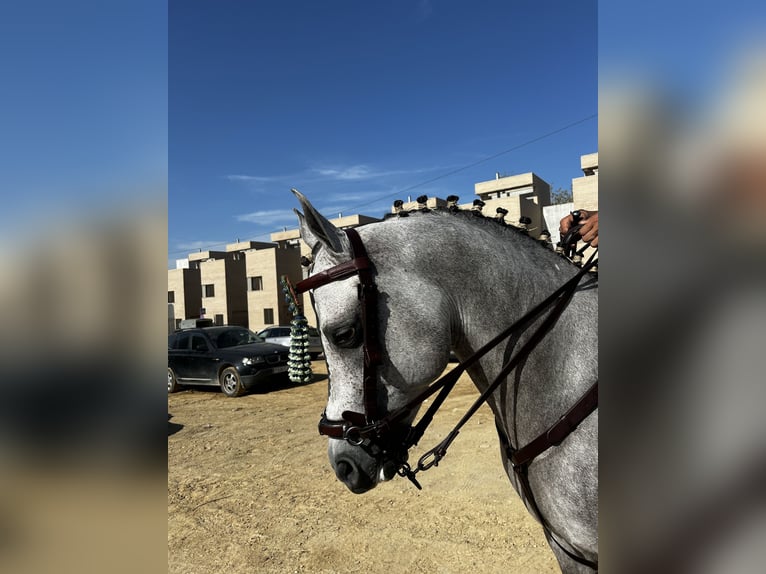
pixel 479 219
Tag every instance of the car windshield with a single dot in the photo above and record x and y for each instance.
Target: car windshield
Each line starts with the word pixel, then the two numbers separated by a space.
pixel 236 337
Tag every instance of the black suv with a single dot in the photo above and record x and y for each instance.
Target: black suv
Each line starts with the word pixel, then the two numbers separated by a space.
pixel 233 358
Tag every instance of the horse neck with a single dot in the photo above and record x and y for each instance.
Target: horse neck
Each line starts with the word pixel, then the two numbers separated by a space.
pixel 490 275
pixel 496 277
pixel 497 280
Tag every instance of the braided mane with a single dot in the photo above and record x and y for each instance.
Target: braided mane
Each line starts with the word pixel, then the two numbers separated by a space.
pixel 476 217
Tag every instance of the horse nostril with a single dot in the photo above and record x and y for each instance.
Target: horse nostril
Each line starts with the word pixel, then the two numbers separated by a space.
pixel 353 477
pixel 343 470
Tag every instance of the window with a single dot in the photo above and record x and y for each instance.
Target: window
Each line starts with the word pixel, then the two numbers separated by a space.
pixel 208 290
pixel 219 319
pixel 182 341
pixel 256 283
pixel 268 316
pixel 171 296
pixel 199 344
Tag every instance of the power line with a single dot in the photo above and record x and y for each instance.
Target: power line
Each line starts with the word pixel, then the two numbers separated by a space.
pixel 470 165
pixel 438 177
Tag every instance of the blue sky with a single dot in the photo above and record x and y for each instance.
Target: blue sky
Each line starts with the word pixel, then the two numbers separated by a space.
pixel 359 103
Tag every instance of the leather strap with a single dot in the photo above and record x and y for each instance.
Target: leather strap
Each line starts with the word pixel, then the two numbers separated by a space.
pixel 521 471
pixel 560 429
pixel 368 297
pixel 360 265
pixel 337 273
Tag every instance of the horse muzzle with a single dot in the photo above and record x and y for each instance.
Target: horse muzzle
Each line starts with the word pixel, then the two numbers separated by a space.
pixel 354 467
pixel 361 457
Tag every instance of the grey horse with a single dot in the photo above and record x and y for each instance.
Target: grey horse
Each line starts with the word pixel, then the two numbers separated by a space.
pixel 452 281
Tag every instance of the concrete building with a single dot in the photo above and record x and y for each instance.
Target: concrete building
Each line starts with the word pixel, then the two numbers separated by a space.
pixel 523 195
pixel 223 284
pixel 264 267
pixel 585 188
pixel 184 294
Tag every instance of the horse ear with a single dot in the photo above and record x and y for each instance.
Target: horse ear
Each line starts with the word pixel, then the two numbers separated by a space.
pixel 315 228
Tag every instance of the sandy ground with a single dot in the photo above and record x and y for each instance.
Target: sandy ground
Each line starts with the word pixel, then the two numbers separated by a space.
pixel 250 489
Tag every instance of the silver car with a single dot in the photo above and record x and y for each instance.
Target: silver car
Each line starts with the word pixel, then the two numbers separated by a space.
pixel 281 336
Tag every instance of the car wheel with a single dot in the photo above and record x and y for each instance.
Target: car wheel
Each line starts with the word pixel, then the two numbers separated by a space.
pixel 173 385
pixel 231 384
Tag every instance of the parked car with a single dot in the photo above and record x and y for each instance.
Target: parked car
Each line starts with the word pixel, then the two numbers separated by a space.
pixel 233 358
pixel 281 335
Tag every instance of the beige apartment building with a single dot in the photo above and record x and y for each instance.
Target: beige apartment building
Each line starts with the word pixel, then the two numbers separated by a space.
pixel 222 278
pixel 523 195
pixel 264 267
pixel 585 188
pixel 184 294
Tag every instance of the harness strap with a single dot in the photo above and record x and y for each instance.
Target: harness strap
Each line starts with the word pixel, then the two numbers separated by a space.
pixel 360 265
pixel 451 378
pixel 337 273
pixel 559 303
pixel 560 430
pixel 368 296
pixel 522 475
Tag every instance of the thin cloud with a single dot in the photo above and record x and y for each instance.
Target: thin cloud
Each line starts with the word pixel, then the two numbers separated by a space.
pixel 251 178
pixel 360 172
pixel 268 217
pixel 351 173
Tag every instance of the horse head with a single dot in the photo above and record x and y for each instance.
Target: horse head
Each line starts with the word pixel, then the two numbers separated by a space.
pixel 366 306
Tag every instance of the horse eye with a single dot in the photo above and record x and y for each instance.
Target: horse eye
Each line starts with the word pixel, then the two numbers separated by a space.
pixel 345 337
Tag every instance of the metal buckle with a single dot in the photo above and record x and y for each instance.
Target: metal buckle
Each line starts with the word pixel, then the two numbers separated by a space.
pixel 353 440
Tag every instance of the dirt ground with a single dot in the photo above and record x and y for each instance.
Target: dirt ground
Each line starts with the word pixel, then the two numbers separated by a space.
pixel 250 489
